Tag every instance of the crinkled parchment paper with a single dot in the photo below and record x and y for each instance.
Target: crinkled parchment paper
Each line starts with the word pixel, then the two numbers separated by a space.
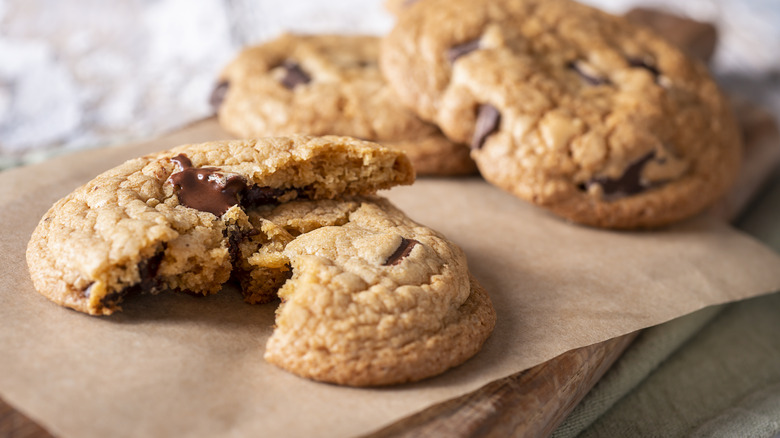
pixel 175 365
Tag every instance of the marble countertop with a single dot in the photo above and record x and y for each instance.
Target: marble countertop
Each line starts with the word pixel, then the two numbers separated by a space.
pixel 86 73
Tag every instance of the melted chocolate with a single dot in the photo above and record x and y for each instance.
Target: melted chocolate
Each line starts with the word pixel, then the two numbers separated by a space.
pixel 402 252
pixel 205 188
pixel 456 52
pixel 294 75
pixel 488 119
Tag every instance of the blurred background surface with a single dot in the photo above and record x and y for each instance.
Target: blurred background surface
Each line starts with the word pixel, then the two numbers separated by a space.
pixel 87 73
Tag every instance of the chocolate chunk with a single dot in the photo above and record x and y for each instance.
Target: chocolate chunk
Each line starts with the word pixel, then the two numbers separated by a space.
pixel 205 188
pixel 256 196
pixel 587 73
pixel 456 52
pixel 488 119
pixel 402 252
pixel 235 237
pixel 630 183
pixel 218 95
pixel 294 75
pixel 147 270
pixel 641 63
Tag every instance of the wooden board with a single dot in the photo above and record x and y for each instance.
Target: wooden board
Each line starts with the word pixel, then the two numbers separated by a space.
pixel 530 403
pixel 534 402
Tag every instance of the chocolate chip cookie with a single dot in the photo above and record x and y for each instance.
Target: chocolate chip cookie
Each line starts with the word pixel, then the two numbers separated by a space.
pixel 568 107
pixel 368 296
pixel 328 84
pixel 374 299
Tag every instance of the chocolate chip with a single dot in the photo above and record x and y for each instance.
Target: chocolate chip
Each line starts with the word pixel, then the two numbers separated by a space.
pixel 235 237
pixel 641 63
pixel 630 183
pixel 147 270
pixel 255 196
pixel 402 252
pixel 587 73
pixel 456 52
pixel 488 119
pixel 218 95
pixel 205 189
pixel 294 75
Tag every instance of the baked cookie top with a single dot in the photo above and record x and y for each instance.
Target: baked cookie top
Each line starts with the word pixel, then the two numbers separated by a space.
pixel 328 84
pixel 161 213
pixel 599 120
pixel 374 299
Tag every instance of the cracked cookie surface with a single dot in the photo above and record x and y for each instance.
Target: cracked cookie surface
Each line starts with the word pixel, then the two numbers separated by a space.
pixel 375 300
pixel 568 107
pixel 328 84
pixel 369 297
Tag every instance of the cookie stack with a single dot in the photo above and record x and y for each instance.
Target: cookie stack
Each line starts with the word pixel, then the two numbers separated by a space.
pixel 583 113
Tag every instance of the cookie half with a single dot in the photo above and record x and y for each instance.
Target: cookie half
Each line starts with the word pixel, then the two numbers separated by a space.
pixel 328 84
pixel 568 107
pixel 145 224
pixel 364 289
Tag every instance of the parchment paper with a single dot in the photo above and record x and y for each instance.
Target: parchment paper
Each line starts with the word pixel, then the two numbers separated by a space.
pixel 175 365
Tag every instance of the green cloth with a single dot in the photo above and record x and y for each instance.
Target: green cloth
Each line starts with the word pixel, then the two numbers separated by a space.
pixel 713 373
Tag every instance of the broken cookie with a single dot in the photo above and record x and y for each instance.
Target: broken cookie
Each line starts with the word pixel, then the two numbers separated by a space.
pixel 369 297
